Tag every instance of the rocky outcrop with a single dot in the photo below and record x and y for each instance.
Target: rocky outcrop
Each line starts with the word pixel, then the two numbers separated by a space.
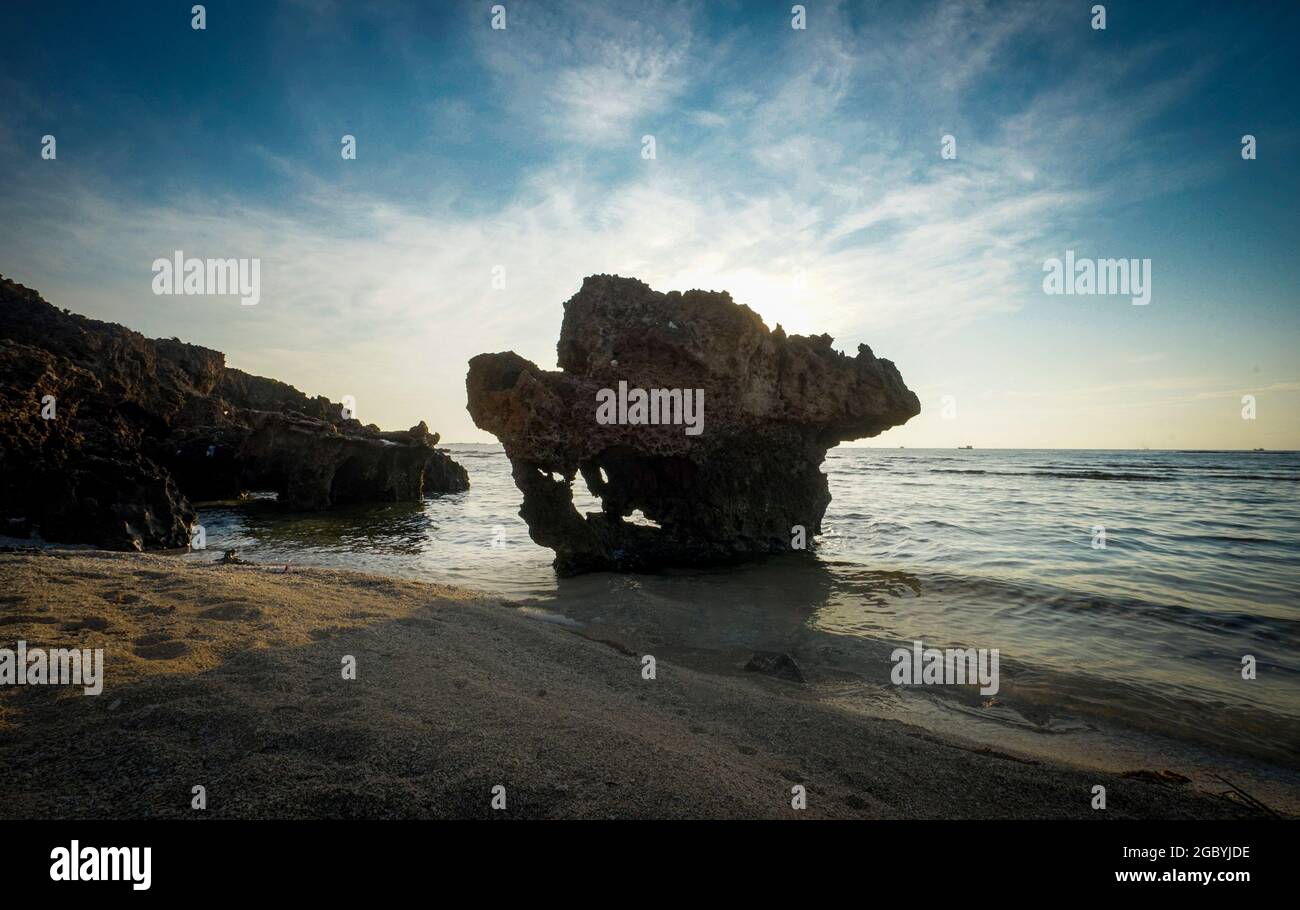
pixel 106 437
pixel 725 483
pixel 311 463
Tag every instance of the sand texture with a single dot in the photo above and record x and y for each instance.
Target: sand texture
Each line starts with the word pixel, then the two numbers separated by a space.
pixel 229 677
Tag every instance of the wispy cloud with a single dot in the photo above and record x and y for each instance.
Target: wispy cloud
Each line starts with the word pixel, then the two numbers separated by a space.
pixel 590 73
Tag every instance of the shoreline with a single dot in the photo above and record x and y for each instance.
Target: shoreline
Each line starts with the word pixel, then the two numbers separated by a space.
pixel 228 677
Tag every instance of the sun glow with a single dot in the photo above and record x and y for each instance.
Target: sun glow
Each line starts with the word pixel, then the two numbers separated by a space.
pixel 788 299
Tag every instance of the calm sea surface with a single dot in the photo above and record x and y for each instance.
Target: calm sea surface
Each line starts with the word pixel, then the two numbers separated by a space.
pixel 1108 655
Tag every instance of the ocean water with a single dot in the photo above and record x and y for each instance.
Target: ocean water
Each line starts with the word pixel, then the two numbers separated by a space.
pixel 1123 656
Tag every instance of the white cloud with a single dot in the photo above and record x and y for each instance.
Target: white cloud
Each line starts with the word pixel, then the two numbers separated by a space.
pixel 590 74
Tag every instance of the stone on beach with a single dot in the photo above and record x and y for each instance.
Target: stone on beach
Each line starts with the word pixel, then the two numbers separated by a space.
pixel 770 663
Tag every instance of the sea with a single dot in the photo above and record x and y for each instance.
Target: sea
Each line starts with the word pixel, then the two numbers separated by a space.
pixel 1129 595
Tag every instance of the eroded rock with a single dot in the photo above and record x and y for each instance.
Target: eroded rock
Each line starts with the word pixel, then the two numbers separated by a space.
pixel 772 406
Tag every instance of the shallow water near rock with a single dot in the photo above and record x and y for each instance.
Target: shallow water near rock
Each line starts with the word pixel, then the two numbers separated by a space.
pixel 1122 657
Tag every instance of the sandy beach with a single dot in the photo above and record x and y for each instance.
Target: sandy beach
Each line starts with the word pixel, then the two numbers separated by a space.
pixel 229 677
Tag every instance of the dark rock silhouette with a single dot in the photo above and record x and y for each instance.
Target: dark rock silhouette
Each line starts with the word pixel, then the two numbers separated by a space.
pixel 773 404
pixel 142 427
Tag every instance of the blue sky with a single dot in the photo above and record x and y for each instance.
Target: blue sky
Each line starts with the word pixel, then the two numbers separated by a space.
pixel 800 170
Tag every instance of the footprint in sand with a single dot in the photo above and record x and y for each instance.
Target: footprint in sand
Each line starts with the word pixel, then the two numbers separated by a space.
pixel 159 646
pixel 231 611
pixel 91 623
pixel 26 617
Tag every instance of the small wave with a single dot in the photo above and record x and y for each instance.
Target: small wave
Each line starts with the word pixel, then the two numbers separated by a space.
pixel 1101 475
pixel 1062 475
pixel 1232 476
pixel 1222 538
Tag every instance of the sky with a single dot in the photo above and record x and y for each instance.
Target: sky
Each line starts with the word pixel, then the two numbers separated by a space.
pixel 800 169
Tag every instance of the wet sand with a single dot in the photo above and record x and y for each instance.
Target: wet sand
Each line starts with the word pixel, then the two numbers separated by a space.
pixel 230 677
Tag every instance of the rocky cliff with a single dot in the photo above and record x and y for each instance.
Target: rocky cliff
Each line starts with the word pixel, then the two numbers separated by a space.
pixel 720 453
pixel 107 436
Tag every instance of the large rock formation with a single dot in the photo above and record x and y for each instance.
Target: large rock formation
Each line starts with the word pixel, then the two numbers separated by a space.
pixel 773 405
pixel 135 429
